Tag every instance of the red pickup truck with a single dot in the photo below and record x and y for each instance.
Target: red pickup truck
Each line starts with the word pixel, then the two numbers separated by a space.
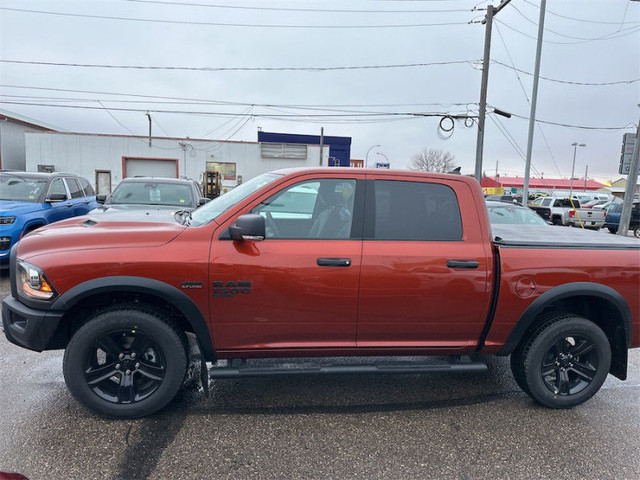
pixel 324 263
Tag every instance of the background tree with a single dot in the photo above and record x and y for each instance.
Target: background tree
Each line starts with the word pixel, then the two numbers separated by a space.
pixel 432 160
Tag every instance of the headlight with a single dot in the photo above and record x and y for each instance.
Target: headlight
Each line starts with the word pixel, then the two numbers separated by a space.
pixel 7 220
pixel 32 282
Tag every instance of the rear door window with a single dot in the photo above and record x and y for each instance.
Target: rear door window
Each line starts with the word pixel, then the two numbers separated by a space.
pixel 74 188
pixel 406 210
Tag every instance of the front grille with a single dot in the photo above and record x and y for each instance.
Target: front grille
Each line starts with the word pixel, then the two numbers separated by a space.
pixel 5 243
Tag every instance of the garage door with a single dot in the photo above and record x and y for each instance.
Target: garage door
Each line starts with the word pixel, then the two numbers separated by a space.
pixel 150 167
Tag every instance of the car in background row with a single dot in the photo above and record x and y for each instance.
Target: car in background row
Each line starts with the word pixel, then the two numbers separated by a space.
pixel 502 213
pixel 613 214
pixel 151 198
pixel 32 200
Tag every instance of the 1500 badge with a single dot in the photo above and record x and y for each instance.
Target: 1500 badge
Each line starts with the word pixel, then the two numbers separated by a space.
pixel 229 289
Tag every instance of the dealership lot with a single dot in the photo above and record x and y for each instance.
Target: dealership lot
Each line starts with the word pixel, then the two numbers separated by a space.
pixel 407 426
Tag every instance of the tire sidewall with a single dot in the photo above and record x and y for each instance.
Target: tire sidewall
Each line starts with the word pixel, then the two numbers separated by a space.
pixel 163 335
pixel 543 343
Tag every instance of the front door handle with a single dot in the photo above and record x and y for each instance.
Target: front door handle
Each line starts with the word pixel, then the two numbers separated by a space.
pixel 334 262
pixel 462 264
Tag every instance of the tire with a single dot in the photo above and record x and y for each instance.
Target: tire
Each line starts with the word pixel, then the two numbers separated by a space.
pixel 556 220
pixel 565 362
pixel 636 232
pixel 126 362
pixel 612 229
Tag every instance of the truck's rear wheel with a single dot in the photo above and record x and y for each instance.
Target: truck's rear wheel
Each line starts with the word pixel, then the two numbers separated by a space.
pixel 566 362
pixel 125 362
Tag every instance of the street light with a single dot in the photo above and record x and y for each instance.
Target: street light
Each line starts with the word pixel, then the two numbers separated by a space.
pixel 366 157
pixel 575 146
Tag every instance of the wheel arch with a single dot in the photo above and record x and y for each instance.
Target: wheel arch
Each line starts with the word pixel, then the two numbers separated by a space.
pixel 599 303
pixel 128 288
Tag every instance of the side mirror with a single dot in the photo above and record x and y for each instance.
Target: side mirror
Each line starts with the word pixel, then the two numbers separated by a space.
pixel 202 201
pixel 101 198
pixel 56 197
pixel 249 227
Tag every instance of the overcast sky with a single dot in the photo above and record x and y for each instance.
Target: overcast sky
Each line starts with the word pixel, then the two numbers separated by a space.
pixel 585 41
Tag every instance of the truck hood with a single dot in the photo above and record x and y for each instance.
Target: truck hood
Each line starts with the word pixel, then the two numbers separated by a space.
pixel 135 213
pixel 87 233
pixel 12 208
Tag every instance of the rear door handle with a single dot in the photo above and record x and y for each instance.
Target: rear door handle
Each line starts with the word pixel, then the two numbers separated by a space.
pixel 462 264
pixel 334 262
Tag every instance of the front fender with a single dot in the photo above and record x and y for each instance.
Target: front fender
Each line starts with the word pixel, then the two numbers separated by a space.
pixel 148 286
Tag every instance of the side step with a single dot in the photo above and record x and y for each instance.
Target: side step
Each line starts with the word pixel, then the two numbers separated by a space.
pixel 237 368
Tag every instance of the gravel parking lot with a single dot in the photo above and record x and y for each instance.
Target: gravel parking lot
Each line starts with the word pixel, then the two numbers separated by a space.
pixel 465 426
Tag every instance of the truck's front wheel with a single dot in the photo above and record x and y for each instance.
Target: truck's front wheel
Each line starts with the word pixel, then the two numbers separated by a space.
pixel 566 362
pixel 125 362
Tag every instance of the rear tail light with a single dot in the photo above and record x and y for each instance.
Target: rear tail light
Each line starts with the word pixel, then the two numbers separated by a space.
pixel 572 213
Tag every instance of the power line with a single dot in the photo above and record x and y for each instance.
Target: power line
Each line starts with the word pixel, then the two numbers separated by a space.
pixel 226 114
pixel 222 24
pixel 221 102
pixel 589 39
pixel 584 20
pixel 606 37
pixel 241 69
pixel 569 82
pixel 147 102
pixel 289 9
pixel 472 63
pixel 582 127
pixel 353 116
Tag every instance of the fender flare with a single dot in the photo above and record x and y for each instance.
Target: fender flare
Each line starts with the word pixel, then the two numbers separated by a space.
pixel 576 289
pixel 142 285
pixel 39 222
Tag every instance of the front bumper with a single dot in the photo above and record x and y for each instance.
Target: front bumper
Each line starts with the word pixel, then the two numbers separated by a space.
pixel 27 327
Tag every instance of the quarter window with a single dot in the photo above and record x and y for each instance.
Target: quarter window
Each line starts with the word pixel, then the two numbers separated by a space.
pixel 414 211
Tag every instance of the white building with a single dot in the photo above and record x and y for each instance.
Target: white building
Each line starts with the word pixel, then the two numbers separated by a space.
pixel 106 159
pixel 12 133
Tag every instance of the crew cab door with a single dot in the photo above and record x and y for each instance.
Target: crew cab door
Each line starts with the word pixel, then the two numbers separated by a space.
pixel 425 265
pixel 298 287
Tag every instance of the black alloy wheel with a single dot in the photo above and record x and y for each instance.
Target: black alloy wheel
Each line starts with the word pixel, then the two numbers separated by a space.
pixel 125 366
pixel 570 365
pixel 564 362
pixel 126 362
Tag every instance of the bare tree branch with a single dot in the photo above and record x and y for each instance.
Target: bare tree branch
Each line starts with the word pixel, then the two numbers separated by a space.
pixel 432 160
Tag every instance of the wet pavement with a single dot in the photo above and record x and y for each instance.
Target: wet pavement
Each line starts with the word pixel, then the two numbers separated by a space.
pixel 452 426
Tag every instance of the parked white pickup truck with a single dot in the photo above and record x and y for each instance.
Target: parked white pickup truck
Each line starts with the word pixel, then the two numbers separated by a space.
pixel 562 211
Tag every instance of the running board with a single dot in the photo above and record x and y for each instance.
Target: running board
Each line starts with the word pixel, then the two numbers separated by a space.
pixel 237 368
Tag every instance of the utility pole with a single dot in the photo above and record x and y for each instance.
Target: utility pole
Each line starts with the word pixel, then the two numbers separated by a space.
pixel 534 101
pixel 586 172
pixel 488 21
pixel 149 116
pixel 632 181
pixel 321 143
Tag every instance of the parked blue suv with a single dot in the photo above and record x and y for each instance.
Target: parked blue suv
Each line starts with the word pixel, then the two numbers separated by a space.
pixel 31 200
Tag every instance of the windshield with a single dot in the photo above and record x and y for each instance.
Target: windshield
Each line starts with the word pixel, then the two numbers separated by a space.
pixel 22 189
pixel 218 206
pixel 152 193
pixel 514 215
